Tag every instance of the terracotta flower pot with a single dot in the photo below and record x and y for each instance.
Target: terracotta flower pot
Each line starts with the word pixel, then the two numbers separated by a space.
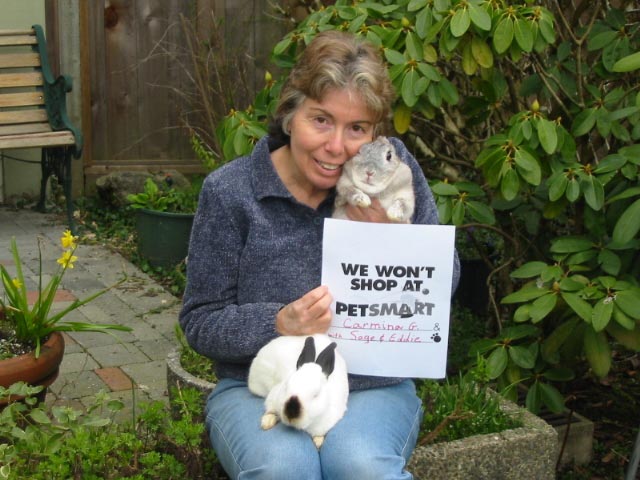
pixel 34 371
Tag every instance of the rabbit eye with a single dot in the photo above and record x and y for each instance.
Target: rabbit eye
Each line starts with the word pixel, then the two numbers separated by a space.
pixel 388 155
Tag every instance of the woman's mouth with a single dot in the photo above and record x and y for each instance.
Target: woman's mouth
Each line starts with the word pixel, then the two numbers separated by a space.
pixel 329 166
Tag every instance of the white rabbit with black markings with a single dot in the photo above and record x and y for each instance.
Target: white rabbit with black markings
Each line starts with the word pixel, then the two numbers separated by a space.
pixel 302 391
pixel 376 171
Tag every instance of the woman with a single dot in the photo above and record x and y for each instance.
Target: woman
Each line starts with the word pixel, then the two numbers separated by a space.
pixel 254 271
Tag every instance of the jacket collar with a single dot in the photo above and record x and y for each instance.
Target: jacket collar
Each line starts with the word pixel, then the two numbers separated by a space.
pixel 265 180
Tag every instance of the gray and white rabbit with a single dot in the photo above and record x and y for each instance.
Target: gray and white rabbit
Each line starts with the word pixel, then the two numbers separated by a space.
pixel 376 171
pixel 300 390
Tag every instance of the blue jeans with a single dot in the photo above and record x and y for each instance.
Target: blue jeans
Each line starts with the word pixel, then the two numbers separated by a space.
pixel 374 439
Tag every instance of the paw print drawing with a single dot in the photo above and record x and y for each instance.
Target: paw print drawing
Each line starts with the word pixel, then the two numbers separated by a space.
pixel 436 337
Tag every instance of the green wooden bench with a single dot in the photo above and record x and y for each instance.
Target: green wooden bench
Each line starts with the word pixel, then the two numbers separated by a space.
pixel 33 112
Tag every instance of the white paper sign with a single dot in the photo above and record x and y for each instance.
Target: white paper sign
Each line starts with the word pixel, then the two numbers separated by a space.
pixel 391 285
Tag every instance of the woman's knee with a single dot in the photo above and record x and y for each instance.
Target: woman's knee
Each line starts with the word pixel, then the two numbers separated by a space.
pixel 365 467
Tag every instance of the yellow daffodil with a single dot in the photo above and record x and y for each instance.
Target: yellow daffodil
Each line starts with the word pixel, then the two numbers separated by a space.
pixel 67 259
pixel 68 240
pixel 16 283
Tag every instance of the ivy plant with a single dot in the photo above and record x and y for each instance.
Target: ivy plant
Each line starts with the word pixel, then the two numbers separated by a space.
pixel 525 116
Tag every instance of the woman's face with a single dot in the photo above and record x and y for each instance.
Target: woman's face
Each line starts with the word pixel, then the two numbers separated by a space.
pixel 325 134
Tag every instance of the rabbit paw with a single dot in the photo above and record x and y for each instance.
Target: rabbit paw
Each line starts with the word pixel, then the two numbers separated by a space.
pixel 396 213
pixel 360 199
pixel 268 421
pixel 318 441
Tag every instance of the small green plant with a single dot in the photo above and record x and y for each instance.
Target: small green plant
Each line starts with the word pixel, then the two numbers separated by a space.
pixel 166 198
pixel 32 322
pixel 194 363
pixel 461 407
pixel 38 442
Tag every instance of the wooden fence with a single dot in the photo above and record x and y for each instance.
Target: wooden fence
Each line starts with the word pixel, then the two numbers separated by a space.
pixel 135 78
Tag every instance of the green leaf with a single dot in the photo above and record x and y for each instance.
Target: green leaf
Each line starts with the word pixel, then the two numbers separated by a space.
pixel 528 167
pixel 481 52
pixel 523 34
pixel 557 186
pixel 629 302
pixel 483 346
pixel 541 307
pixel 497 362
pixel 610 163
pixel 457 215
pixel 628 63
pixel 551 397
pixel 528 270
pixel 519 331
pixel 510 184
pixel 546 29
pixel 525 294
pixel 522 313
pixel 602 312
pixel 443 188
pixel 578 305
pixel 597 351
pixel 414 46
pixel 402 118
pixel 622 318
pixel 394 57
pixel 522 356
pixel 480 17
pixel 571 244
pixel 39 416
pixel 573 190
pixel 460 22
pixel 593 191
pixel 407 90
pixel 469 64
pixel 503 34
pixel 448 91
pixel 548 135
pixel 584 122
pixel 609 261
pixel 601 40
pixel 445 208
pixel 628 338
pixel 533 401
pixel 559 374
pixel 481 212
pixel 556 339
pixel 628 224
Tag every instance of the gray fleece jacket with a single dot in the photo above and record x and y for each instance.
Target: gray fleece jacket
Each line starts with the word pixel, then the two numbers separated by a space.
pixel 254 248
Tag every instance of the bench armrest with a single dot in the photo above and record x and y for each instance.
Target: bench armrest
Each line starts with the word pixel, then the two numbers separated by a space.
pixel 55 94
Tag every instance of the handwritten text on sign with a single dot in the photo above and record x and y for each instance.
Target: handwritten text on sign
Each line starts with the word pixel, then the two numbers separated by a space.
pixel 391 285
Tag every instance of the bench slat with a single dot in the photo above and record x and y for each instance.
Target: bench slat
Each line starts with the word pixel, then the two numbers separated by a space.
pixel 29 140
pixel 12 117
pixel 6 40
pixel 21 99
pixel 25 79
pixel 17 32
pixel 24 128
pixel 15 60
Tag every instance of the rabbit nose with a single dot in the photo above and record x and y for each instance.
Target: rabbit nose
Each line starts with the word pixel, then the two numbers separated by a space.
pixel 292 408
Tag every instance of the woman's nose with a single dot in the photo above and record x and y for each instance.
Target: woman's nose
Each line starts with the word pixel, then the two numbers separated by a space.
pixel 335 143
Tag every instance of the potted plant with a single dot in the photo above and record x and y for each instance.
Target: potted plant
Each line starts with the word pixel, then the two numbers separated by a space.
pixel 32 343
pixel 164 215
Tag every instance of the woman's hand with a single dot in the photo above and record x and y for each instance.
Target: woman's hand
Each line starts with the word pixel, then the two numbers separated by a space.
pixel 373 213
pixel 308 315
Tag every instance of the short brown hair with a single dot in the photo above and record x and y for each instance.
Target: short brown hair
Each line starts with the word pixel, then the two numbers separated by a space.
pixel 335 59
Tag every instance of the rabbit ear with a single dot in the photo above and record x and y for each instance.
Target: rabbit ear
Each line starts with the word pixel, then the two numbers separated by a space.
pixel 308 354
pixel 327 359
